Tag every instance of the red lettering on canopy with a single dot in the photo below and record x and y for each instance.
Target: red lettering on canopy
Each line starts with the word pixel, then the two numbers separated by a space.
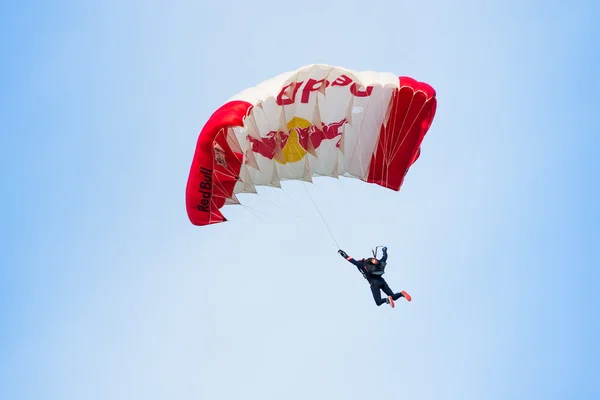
pixel 313 85
pixel 288 93
pixel 294 86
pixel 342 80
pixel 360 93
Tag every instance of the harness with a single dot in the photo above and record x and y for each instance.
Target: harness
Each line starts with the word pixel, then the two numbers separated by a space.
pixel 374 269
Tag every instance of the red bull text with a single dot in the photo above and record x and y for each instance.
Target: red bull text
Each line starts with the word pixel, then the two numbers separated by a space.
pixel 288 93
pixel 205 187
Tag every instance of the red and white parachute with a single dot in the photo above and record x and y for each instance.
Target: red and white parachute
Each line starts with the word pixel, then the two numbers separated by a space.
pixel 318 120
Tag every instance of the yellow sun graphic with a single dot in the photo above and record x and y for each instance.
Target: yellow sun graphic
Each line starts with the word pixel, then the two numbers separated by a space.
pixel 292 151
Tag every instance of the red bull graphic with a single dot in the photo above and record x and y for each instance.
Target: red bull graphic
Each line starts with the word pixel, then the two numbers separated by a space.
pixel 204 189
pixel 302 137
pixel 288 93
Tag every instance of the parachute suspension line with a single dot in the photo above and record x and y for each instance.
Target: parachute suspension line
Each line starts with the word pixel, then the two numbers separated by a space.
pixel 325 222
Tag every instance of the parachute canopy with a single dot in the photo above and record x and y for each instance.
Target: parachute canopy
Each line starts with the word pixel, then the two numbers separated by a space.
pixel 318 120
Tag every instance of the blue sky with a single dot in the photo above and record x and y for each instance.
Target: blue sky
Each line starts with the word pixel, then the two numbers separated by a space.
pixel 107 290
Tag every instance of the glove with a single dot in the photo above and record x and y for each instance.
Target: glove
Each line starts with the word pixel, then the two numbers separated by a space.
pixel 343 253
pixel 384 249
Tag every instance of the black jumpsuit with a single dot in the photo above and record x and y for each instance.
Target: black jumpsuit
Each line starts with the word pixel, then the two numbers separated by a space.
pixel 377 282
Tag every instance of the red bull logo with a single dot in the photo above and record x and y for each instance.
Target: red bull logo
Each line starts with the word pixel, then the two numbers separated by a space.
pixel 205 187
pixel 302 137
pixel 288 93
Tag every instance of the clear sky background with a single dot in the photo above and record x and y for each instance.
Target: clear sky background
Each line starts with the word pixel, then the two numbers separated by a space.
pixel 108 292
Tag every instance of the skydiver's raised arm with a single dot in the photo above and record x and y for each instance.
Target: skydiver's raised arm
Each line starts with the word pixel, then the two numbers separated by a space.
pixel 350 259
pixel 385 255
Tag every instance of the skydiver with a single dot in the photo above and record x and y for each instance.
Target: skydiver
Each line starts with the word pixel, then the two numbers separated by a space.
pixel 372 269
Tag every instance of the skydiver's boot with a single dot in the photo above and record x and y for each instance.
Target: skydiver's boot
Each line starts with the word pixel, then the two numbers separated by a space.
pixel 406 295
pixel 390 301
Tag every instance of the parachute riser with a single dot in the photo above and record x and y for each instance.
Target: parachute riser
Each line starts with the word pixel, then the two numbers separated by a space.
pixel 375 250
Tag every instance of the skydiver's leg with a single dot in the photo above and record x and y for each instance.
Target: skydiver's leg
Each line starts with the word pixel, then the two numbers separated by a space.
pixel 376 294
pixel 386 289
